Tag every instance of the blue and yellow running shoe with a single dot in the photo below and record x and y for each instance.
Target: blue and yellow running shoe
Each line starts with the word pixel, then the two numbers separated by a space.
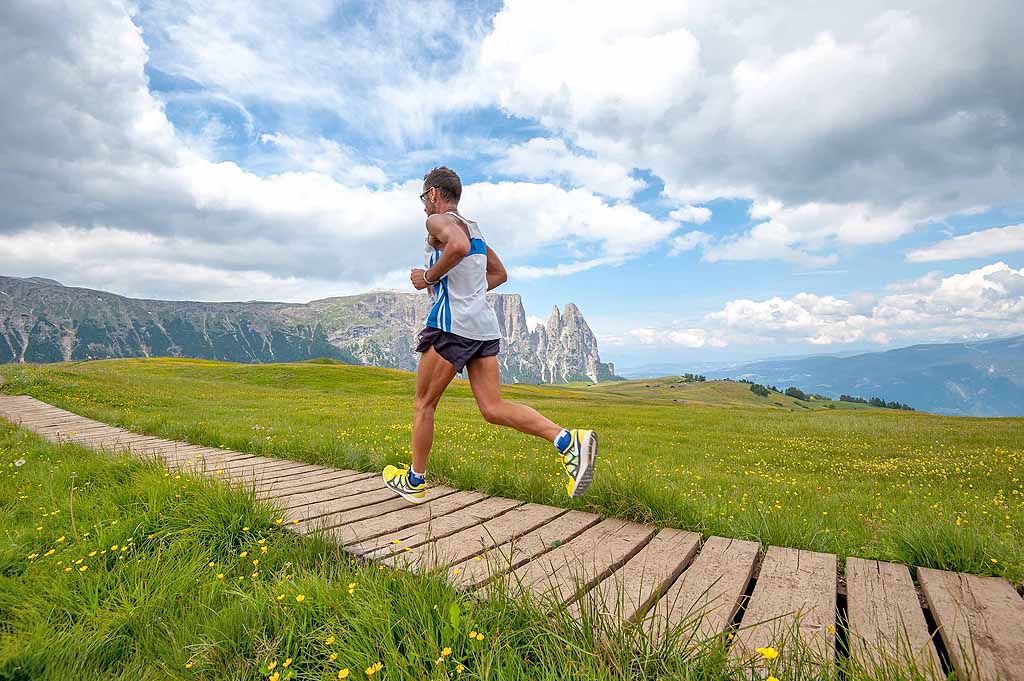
pixel 397 479
pixel 578 459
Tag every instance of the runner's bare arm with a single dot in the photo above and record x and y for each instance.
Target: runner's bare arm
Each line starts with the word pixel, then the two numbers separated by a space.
pixel 454 245
pixel 496 274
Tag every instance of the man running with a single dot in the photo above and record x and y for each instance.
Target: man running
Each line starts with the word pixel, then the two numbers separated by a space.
pixel 462 331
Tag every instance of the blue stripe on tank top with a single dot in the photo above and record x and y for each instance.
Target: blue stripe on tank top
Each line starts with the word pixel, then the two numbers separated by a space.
pixel 477 246
pixel 447 307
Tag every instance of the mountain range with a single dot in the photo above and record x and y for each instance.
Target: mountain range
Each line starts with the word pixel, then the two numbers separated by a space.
pixel 42 320
pixel 984 378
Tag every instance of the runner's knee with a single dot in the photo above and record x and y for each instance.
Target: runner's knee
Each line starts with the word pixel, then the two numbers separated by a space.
pixel 492 412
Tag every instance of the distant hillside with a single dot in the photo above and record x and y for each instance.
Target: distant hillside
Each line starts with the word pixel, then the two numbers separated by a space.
pixel 985 378
pixel 43 321
pixel 721 393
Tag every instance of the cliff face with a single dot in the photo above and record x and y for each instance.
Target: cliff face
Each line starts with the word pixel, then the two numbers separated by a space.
pixel 42 321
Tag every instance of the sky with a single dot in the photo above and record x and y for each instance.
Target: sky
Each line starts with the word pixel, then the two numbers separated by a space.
pixel 706 180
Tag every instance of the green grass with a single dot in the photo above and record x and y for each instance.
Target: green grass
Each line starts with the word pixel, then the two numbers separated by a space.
pixel 112 568
pixel 929 490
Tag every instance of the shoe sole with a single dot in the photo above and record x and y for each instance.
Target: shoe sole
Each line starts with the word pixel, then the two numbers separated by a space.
pixel 410 499
pixel 588 456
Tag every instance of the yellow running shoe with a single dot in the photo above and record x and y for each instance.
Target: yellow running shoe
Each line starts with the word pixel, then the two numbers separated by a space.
pixel 578 460
pixel 397 479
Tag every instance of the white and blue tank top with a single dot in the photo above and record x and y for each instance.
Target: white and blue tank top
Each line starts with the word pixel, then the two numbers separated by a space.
pixel 459 300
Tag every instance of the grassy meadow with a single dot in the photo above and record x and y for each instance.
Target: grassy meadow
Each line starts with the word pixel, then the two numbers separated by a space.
pixel 945 492
pixel 113 568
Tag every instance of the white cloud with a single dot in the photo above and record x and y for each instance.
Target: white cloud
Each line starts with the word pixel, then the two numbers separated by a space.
pixel 697 215
pixel 543 158
pixel 687 242
pixel 980 244
pixel 98 180
pixel 326 156
pixel 861 122
pixel 983 303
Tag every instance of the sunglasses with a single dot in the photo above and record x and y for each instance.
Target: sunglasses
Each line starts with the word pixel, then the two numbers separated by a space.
pixel 423 196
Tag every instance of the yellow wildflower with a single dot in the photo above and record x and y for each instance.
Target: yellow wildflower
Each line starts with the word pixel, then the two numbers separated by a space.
pixel 446 651
pixel 287 662
pixel 459 668
pixel 263 549
pixel 332 657
pixel 67 569
pixel 83 568
pixel 211 564
pixel 329 640
pixel 768 653
pixel 220 575
pixel 771 678
pixel 300 598
pixel 245 529
pixel 61 538
pixel 50 553
pixel 32 555
pixel 262 541
pixel 243 554
pixel 274 677
pixel 270 667
pixel 92 553
pixel 188 665
pixel 280 597
pixel 343 674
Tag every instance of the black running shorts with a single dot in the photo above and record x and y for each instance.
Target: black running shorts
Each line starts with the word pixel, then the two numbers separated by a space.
pixel 456 349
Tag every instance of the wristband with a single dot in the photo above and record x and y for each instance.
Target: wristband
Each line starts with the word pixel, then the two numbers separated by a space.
pixel 427 281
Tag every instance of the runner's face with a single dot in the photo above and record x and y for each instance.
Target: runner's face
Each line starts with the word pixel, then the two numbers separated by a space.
pixel 429 206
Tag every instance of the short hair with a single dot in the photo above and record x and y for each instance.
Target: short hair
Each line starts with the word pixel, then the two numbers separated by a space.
pixel 446 180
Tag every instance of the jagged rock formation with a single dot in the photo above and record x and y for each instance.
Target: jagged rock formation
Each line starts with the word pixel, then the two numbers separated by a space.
pixel 43 321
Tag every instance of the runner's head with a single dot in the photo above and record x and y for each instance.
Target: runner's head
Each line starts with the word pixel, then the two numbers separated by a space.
pixel 442 190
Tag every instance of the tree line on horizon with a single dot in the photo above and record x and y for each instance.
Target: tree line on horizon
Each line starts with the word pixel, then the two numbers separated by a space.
pixel 796 393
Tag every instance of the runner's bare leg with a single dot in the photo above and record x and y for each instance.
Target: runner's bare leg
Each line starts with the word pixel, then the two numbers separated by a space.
pixel 485 381
pixel 433 375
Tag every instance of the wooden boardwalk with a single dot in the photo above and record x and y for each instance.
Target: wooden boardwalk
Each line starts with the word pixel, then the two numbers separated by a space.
pixel 621 571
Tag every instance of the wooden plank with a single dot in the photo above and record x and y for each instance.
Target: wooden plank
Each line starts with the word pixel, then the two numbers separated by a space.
pixel 632 589
pixel 345 488
pixel 574 567
pixel 261 475
pixel 703 601
pixel 515 553
pixel 795 595
pixel 437 528
pixel 279 489
pixel 357 532
pixel 981 621
pixel 472 541
pixel 308 524
pixel 886 624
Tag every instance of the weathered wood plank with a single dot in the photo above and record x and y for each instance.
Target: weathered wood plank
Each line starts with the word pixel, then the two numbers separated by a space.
pixel 886 623
pixel 703 601
pixel 250 479
pixel 515 553
pixel 795 595
pixel 577 565
pixel 417 535
pixel 631 589
pixel 472 541
pixel 324 496
pixel 357 532
pixel 353 508
pixel 981 621
pixel 279 489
